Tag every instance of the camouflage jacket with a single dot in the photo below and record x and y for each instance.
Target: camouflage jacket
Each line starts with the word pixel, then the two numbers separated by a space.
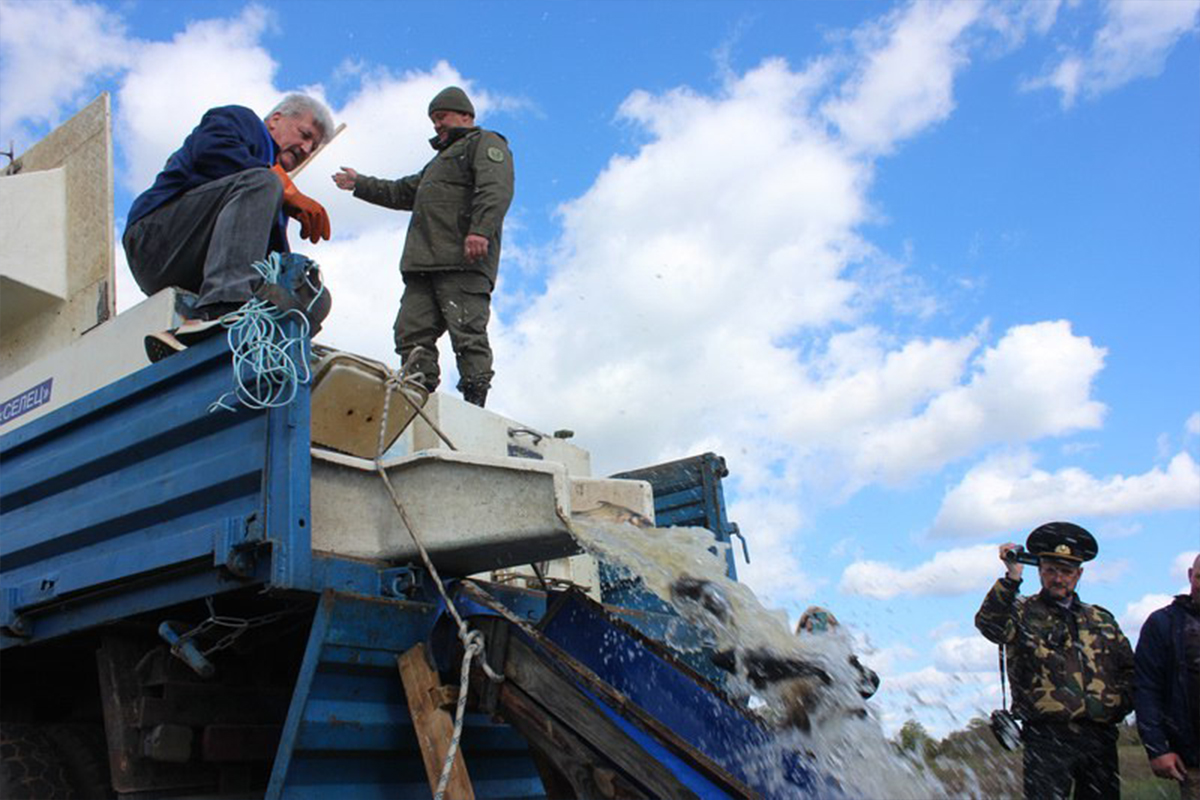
pixel 1068 664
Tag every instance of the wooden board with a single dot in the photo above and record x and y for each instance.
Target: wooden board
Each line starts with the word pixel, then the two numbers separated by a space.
pixel 434 726
pixel 568 766
pixel 614 699
pixel 565 703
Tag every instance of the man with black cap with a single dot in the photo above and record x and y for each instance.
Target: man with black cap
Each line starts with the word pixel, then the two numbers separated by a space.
pixel 1070 666
pixel 452 249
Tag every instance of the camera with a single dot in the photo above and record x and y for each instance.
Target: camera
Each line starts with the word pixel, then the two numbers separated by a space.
pixel 1006 729
pixel 1021 556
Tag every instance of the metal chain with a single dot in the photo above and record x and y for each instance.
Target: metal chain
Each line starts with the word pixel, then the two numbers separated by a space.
pixel 239 625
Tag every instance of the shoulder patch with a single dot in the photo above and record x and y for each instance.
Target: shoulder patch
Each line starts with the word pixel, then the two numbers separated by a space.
pixel 495 154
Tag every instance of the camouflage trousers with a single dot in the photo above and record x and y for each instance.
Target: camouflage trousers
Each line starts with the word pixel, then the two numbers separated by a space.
pixel 434 303
pixel 1059 755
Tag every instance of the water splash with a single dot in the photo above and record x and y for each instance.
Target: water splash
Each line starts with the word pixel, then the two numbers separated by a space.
pixel 839 736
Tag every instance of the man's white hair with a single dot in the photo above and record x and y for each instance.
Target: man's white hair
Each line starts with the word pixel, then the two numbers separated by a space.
pixel 296 104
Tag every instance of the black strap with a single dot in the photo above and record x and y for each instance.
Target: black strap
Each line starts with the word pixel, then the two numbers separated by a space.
pixel 1003 681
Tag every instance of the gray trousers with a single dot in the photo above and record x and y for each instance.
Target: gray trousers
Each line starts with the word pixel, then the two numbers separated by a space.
pixel 457 301
pixel 205 240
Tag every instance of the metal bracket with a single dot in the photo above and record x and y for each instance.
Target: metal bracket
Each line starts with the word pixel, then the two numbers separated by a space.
pixel 234 544
pixel 11 622
pixel 401 581
pixel 31 593
pixel 537 436
pixel 734 530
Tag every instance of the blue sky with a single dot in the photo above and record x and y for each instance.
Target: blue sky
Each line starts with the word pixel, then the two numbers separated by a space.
pixel 926 274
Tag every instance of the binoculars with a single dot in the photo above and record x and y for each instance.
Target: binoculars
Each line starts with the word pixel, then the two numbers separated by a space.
pixel 1021 556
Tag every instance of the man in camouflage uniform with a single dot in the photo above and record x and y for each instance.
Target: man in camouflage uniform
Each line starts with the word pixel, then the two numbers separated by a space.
pixel 1070 666
pixel 452 249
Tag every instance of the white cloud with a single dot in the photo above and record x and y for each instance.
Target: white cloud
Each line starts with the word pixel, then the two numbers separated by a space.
pixel 1108 571
pixel 906 78
pixel 944 630
pixel 1137 611
pixel 1035 382
pixel 884 660
pixel 170 84
pixel 950 572
pixel 942 700
pixel 1008 492
pixel 777 567
pixel 676 319
pixel 965 653
pixel 1192 426
pixel 1182 563
pixel 387 135
pixel 1133 43
pixel 1013 21
pixel 51 56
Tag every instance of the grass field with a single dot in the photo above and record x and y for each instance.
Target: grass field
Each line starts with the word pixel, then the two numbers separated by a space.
pixel 971 764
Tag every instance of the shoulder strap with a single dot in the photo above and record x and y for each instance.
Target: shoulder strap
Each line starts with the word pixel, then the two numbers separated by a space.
pixel 1003 681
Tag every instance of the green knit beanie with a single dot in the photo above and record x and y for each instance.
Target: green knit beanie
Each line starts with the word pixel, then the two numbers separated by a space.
pixel 451 98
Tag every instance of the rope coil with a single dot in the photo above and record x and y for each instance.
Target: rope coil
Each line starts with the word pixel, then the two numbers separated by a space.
pixel 269 367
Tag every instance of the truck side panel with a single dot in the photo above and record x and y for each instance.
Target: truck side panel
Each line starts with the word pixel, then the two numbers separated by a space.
pixel 137 496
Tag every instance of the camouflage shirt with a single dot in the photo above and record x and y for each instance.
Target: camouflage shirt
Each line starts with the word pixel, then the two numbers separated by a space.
pixel 1066 664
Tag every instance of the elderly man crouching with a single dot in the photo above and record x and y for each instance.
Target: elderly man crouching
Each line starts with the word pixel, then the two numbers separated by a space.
pixel 219 205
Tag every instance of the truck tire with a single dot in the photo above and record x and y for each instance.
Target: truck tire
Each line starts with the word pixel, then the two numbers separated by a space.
pixel 84 753
pixel 30 767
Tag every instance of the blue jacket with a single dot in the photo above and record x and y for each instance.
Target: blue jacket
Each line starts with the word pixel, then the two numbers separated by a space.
pixel 1165 722
pixel 228 140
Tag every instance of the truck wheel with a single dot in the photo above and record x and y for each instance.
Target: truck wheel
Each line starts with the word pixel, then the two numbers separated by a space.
pixel 30 767
pixel 84 752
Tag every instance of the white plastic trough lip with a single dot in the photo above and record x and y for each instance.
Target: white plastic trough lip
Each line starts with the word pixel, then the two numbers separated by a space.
pixel 557 471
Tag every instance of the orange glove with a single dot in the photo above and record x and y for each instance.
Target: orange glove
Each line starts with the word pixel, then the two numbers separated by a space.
pixel 314 220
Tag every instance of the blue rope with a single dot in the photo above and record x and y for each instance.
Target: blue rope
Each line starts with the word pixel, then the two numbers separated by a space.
pixel 269 366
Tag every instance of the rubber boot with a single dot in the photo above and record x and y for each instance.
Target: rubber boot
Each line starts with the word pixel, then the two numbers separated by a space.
pixel 475 395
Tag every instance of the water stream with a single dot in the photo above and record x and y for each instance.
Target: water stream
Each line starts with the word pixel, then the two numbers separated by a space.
pixel 843 741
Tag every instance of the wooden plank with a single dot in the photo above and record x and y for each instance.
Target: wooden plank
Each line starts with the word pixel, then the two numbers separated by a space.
pixel 434 725
pixel 117 661
pixel 564 701
pixel 614 699
pixel 569 768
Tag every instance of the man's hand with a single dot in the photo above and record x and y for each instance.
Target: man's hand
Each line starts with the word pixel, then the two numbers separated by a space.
pixel 1014 567
pixel 475 247
pixel 1169 766
pixel 314 220
pixel 346 179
